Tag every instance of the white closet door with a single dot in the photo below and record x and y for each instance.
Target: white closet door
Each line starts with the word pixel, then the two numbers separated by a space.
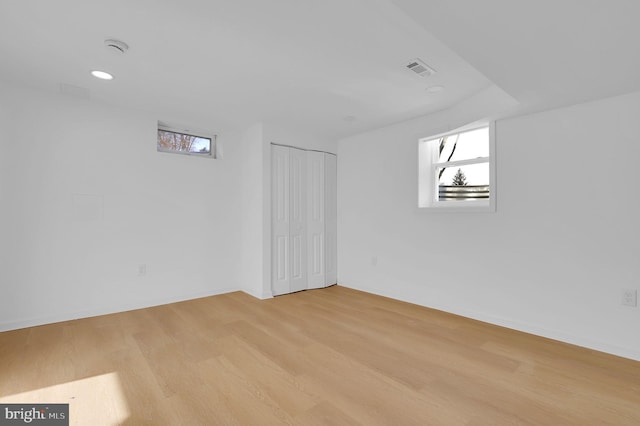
pixel 315 220
pixel 298 219
pixel 280 213
pixel 331 218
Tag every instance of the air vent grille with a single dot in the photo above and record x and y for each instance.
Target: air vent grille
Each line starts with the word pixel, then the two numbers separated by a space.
pixel 419 67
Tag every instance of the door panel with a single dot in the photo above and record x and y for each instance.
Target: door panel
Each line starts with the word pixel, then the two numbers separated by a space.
pixel 331 218
pixel 282 249
pixel 315 219
pixel 298 219
pixel 280 274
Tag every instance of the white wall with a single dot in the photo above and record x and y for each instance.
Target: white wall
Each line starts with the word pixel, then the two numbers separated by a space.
pixel 6 134
pixel 554 257
pixel 86 199
pixel 89 199
pixel 252 213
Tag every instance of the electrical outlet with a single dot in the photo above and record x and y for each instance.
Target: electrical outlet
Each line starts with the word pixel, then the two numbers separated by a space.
pixel 630 297
pixel 374 260
pixel 142 269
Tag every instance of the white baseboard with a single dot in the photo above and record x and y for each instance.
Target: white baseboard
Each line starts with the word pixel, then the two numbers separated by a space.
pixel 105 310
pixel 513 324
pixel 262 296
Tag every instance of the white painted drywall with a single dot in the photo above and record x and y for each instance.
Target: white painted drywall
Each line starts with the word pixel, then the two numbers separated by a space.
pixel 252 213
pixel 86 199
pixel 554 257
pixel 6 135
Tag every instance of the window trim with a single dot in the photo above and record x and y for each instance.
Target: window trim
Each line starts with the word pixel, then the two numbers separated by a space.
pixel 189 132
pixel 427 184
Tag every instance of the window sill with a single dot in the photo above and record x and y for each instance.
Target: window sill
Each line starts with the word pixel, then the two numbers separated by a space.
pixel 459 207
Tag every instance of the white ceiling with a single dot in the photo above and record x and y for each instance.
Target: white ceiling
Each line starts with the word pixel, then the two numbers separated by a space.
pixel 227 64
pixel 544 53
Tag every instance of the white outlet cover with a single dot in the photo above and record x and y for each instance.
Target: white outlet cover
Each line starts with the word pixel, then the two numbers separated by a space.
pixel 630 297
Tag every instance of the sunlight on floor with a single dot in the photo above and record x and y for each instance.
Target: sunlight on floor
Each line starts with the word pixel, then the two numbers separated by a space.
pixel 97 400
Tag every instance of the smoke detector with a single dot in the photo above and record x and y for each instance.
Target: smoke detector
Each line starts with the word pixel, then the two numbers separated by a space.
pixel 116 46
pixel 419 67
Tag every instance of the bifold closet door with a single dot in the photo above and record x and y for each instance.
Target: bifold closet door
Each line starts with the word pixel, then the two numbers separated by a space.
pixel 315 220
pixel 331 218
pixel 280 212
pixel 298 220
pixel 288 212
pixel 303 218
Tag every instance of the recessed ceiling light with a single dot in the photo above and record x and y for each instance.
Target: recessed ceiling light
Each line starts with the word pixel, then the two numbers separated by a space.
pixel 102 75
pixel 434 89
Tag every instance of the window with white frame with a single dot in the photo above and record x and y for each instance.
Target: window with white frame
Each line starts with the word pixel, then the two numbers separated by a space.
pixel 186 142
pixel 457 171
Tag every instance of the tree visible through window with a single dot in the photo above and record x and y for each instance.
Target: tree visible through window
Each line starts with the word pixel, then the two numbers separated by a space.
pixel 184 143
pixel 459 179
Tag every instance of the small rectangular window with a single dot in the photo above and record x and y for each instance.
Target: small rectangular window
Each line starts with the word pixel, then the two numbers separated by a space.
pixel 457 171
pixel 185 142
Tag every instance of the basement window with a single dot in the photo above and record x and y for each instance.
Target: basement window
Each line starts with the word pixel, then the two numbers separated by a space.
pixel 186 142
pixel 457 171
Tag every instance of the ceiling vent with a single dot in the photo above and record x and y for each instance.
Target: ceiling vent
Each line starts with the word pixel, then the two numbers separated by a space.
pixel 419 67
pixel 116 46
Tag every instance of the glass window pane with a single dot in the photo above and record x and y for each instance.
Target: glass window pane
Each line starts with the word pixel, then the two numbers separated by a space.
pixel 464 146
pixel 181 142
pixel 470 182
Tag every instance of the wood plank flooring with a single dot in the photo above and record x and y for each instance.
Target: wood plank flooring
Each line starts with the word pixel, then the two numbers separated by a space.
pixel 333 356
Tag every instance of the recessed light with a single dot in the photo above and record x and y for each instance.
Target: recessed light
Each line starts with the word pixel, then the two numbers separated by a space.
pixel 102 75
pixel 434 89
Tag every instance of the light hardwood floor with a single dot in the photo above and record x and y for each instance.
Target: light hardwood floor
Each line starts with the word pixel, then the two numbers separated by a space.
pixel 330 356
